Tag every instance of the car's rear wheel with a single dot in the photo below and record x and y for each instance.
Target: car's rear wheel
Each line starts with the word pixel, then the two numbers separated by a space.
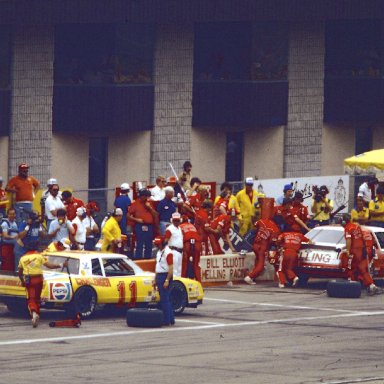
pixel 84 302
pixel 344 289
pixel 178 297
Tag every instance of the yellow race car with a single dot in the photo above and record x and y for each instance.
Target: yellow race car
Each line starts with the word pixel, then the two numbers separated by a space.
pixel 93 278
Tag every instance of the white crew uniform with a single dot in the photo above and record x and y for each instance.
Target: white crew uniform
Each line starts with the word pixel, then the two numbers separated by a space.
pixel 162 265
pixel 81 232
pixel 175 243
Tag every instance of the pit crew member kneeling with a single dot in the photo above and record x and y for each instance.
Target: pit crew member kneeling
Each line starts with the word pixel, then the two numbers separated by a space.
pixel 357 254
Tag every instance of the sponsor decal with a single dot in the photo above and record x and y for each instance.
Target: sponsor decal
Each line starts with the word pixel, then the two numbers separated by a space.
pixel 96 281
pixel 60 291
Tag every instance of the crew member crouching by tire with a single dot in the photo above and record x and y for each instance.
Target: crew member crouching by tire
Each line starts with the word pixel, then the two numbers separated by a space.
pixel 357 254
pixel 164 278
pixel 31 277
pixel 266 231
pixel 191 250
pixel 290 243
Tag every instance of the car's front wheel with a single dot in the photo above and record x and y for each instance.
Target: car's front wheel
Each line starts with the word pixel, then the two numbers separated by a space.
pixel 179 297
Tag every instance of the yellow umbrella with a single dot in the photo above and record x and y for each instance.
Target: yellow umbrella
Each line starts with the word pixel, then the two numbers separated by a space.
pixel 367 162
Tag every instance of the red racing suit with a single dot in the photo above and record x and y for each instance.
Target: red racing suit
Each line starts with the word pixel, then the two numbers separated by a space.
pixel 358 261
pixel 290 242
pixel 267 230
pixel 201 221
pixel 224 223
pixel 191 248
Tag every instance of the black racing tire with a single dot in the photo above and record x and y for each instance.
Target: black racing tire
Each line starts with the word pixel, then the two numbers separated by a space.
pixel 145 318
pixel 19 308
pixel 344 289
pixel 84 302
pixel 303 281
pixel 178 297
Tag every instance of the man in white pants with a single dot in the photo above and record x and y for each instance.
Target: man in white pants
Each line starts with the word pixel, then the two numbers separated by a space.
pixel 174 238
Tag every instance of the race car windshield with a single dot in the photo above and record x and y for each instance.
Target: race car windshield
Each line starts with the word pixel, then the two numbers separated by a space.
pixel 380 238
pixel 326 236
pixel 117 267
pixel 73 264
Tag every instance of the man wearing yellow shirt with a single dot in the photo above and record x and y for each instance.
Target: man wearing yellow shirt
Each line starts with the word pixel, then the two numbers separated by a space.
pixel 360 214
pixel 111 232
pixel 31 277
pixel 248 202
pixel 376 208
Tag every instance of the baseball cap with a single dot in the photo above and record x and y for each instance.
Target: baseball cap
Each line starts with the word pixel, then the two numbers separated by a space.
pixel 287 187
pixel 124 187
pixel 80 211
pixel 118 212
pixel 158 240
pixel 169 189
pixel 144 192
pixel 249 181
pixel 176 216
pixel 23 166
pixel 171 179
pixel 52 181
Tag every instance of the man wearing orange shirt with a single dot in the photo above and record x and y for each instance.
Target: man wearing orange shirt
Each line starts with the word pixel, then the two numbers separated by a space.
pixel 23 188
pixel 143 215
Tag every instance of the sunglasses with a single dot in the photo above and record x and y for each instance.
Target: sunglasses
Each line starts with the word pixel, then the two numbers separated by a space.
pixel 55 190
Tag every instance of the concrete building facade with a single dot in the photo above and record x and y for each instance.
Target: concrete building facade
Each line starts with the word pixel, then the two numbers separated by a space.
pixel 304 143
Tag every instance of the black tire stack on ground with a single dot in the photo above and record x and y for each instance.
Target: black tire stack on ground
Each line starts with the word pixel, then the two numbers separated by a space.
pixel 344 289
pixel 145 318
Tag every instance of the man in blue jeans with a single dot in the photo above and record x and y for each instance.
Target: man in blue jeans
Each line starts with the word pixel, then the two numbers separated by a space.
pixel 164 278
pixel 143 215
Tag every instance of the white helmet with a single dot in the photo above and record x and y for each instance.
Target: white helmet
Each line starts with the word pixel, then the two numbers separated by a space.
pixel 124 187
pixel 51 182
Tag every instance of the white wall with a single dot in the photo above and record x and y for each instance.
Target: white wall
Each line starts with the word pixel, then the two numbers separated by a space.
pixel 264 152
pixel 338 143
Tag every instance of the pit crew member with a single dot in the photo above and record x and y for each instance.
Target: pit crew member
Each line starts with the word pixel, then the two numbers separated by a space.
pixel 111 232
pixel 290 243
pixel 266 232
pixel 164 278
pixel 174 239
pixel 31 277
pixel 357 254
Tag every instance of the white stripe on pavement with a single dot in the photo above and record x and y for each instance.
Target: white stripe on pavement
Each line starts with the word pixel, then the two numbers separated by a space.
pixel 281 305
pixel 197 327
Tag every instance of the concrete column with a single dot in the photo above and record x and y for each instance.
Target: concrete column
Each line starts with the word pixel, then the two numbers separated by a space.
pixel 32 92
pixel 303 134
pixel 173 75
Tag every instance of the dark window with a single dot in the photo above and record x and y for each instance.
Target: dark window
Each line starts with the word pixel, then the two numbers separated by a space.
pixel 104 54
pixel 234 156
pixel 96 267
pixel 117 267
pixel 363 139
pixel 241 51
pixel 5 79
pixel 97 178
pixel 354 49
